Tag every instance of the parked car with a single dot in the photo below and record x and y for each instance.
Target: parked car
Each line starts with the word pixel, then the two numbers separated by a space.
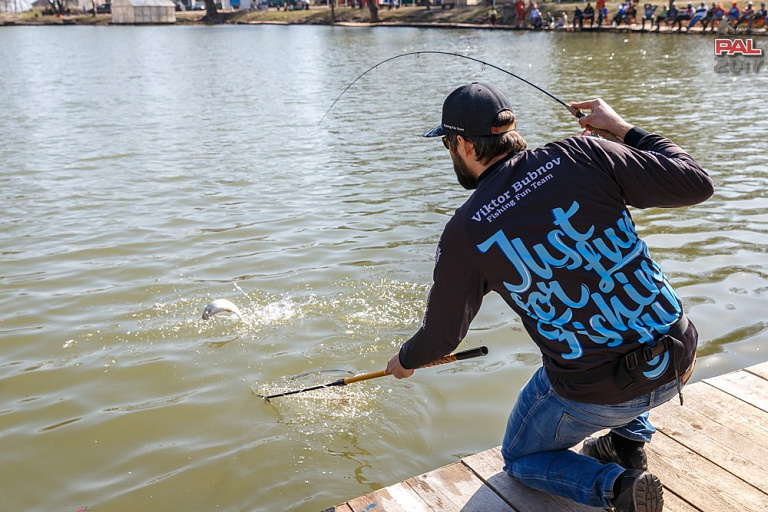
pixel 104 8
pixel 199 6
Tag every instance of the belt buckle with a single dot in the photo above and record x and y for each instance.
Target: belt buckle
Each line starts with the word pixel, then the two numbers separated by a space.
pixel 648 354
pixel 631 360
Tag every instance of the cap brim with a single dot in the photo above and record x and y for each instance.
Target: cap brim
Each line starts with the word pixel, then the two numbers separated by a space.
pixel 437 131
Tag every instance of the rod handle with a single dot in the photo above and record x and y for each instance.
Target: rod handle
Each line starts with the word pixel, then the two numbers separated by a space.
pixel 576 112
pixel 450 358
pixel 365 376
pixel 458 356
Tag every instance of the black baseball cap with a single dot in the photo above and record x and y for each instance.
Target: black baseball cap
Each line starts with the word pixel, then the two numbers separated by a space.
pixel 469 110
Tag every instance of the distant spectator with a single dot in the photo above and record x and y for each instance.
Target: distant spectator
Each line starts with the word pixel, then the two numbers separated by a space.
pixel 578 18
pixel 529 10
pixel 589 14
pixel 733 14
pixel 621 11
pixel 684 15
pixel 748 14
pixel 602 12
pixel 492 15
pixel 630 17
pixel 520 13
pixel 708 18
pixel 535 17
pixel 718 13
pixel 648 14
pixel 562 21
pixel 670 17
pixel 760 15
pixel 698 16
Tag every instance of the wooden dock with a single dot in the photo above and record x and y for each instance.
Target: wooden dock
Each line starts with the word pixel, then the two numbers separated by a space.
pixel 711 456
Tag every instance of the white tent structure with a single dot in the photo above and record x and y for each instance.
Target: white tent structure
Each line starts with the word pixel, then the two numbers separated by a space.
pixel 15 5
pixel 134 12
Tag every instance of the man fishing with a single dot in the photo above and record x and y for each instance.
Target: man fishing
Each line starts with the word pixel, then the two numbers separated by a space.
pixel 549 230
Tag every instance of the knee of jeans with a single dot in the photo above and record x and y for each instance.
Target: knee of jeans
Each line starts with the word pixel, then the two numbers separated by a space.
pixel 510 454
pixel 509 459
pixel 514 450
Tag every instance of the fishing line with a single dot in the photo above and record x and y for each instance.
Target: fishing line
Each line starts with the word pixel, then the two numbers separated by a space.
pixel 573 111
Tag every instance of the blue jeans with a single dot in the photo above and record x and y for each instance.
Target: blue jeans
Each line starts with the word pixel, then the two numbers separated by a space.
pixel 543 426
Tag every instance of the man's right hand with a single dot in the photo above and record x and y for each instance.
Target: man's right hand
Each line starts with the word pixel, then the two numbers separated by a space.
pixel 396 369
pixel 602 120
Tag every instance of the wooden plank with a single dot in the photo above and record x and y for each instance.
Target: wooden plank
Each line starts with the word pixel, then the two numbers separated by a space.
pixel 674 503
pixel 717 405
pixel 761 370
pixel 395 498
pixel 716 437
pixel 745 386
pixel 728 410
pixel 704 484
pixel 456 488
pixel 450 488
pixel 488 466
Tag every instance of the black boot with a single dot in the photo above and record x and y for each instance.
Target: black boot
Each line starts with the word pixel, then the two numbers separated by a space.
pixel 638 491
pixel 614 448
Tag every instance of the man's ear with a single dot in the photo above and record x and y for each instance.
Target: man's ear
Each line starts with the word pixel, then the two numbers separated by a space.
pixel 465 148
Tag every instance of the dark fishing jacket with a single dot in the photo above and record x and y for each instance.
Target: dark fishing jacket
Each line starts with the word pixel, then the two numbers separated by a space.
pixel 549 230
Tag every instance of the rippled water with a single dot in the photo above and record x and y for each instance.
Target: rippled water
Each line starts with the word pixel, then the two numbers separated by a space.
pixel 147 170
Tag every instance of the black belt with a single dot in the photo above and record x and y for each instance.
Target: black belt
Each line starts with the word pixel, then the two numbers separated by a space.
pixel 620 369
pixel 670 342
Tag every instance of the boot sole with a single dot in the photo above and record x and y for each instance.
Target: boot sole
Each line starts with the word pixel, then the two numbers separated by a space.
pixel 649 494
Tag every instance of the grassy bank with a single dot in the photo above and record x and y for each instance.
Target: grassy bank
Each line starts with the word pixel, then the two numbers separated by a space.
pixel 316 15
pixel 471 16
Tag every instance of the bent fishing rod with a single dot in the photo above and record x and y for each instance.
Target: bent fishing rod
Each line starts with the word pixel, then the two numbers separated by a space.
pixel 570 109
pixel 450 358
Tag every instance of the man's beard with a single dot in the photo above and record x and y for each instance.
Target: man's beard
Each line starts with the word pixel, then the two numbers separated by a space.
pixel 463 174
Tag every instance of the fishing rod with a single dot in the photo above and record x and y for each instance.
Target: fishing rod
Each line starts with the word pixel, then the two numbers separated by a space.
pixel 570 109
pixel 450 358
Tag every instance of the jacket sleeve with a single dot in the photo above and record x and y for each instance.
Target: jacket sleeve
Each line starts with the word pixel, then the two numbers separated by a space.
pixel 454 299
pixel 652 171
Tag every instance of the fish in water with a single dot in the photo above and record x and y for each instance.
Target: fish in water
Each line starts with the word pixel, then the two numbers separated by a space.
pixel 219 306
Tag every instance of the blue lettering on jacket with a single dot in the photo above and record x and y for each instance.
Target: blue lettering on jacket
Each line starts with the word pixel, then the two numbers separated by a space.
pixel 630 296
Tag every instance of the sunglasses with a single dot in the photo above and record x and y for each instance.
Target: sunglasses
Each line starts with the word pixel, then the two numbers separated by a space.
pixel 446 142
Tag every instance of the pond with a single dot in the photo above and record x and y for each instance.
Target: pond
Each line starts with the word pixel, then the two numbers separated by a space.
pixel 145 171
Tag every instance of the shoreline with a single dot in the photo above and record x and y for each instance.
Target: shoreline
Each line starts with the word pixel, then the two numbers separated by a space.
pixel 463 17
